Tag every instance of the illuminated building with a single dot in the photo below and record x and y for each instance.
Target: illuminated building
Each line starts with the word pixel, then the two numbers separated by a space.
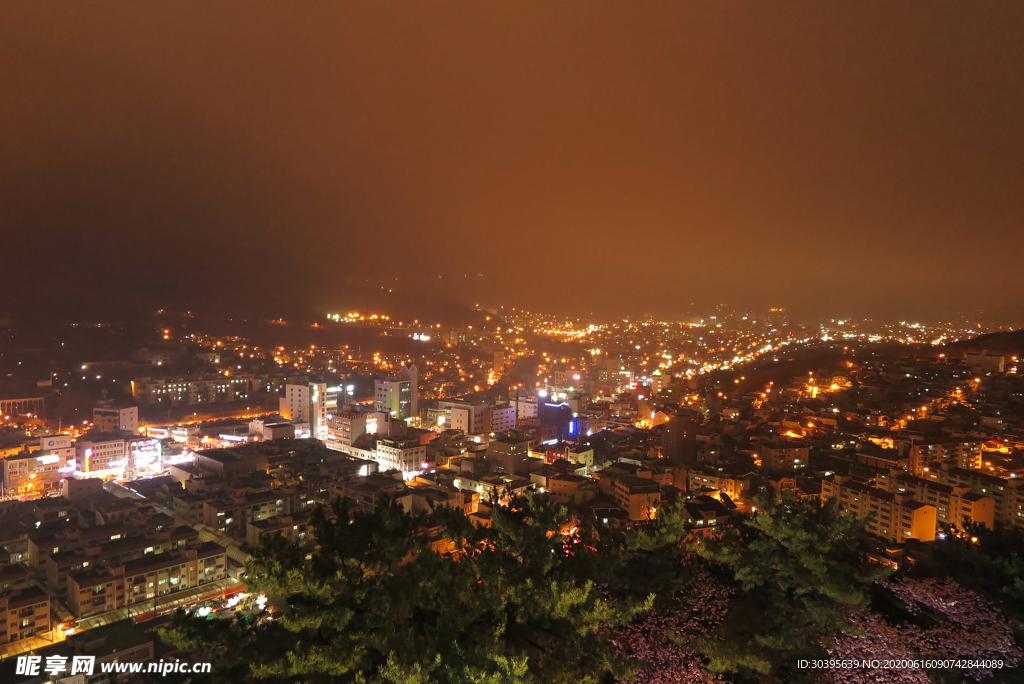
pixel 957 506
pixel 566 377
pixel 399 396
pixel 983 362
pixel 394 397
pixel 93 592
pixel 501 418
pixel 351 424
pixel 405 455
pixel 307 403
pixel 143 455
pixel 735 486
pixel 98 452
pixel 566 487
pixel 272 427
pixel 893 517
pixel 659 382
pixel 37 473
pixel 142 581
pixel 189 391
pixel 926 455
pixel 579 426
pixel 24 613
pixel 469 418
pixel 638 496
pixel 580 455
pixel 1006 492
pixel 526 408
pixel 454 338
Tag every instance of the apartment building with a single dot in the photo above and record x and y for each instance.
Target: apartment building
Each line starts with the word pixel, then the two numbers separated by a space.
pixel 638 496
pixel 232 512
pixel 188 391
pixel 24 613
pixel 501 418
pixel 927 455
pixel 893 517
pixel 149 578
pixel 421 497
pixel 97 591
pixel 957 506
pixel 294 528
pixel 784 456
pixel 146 579
pixel 710 479
pixel 60 565
pixel 1007 493
pixel 566 487
pixel 15 576
pixel 399 396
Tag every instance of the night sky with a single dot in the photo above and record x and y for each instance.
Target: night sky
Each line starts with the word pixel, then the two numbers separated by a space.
pixel 618 158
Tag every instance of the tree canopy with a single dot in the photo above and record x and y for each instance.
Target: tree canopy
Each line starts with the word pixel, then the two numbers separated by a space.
pixel 538 595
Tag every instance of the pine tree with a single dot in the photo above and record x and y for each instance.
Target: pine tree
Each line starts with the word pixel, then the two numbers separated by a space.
pixel 374 602
pixel 800 573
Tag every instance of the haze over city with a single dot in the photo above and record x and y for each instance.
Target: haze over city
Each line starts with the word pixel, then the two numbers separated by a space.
pixel 578 157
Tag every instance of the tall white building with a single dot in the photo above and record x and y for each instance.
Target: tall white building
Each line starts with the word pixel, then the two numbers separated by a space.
pixel 470 418
pixel 307 404
pixel 412 374
pixel 392 396
pixel 526 408
pixel 406 455
pixel 351 424
pixel 398 397
pixel 476 419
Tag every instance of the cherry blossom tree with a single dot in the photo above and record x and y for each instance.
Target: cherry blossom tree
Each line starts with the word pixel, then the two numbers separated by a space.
pixel 963 624
pixel 951 623
pixel 872 638
pixel 663 643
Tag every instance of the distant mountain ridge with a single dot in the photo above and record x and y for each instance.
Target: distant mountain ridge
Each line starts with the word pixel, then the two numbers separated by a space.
pixel 1001 342
pixel 75 276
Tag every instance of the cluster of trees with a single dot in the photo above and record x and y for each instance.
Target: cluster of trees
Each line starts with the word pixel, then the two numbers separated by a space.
pixel 538 596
